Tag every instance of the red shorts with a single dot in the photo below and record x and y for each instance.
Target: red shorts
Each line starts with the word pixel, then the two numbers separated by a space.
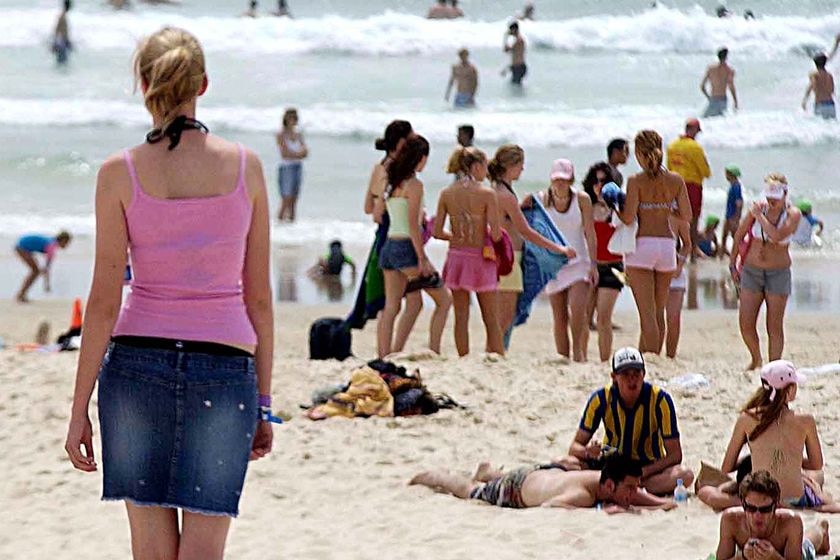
pixel 695 198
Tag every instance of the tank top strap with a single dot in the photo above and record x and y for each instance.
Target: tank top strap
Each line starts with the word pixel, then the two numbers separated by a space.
pixel 132 172
pixel 240 180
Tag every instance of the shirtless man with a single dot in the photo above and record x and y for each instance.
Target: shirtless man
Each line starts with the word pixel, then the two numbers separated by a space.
pixel 465 75
pixel 721 76
pixel 527 12
pixel 61 45
pixel 821 83
pixel 550 486
pixel 516 48
pixel 439 11
pixel 454 11
pixel 758 531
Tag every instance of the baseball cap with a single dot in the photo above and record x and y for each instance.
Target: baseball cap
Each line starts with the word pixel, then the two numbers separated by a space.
pixel 733 170
pixel 694 122
pixel 778 374
pixel 562 169
pixel 775 190
pixel 626 358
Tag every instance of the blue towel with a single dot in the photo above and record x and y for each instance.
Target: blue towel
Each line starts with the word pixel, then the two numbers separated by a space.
pixel 539 265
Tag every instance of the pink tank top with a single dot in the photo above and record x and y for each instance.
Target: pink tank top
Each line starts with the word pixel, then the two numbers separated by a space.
pixel 187 257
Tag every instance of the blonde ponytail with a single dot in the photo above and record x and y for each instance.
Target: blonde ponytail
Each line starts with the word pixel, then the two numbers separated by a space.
pixel 170 66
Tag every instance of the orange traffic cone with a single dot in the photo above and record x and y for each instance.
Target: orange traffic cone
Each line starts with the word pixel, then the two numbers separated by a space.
pixel 76 320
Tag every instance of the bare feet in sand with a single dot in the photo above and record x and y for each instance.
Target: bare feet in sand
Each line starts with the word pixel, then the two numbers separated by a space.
pixel 484 472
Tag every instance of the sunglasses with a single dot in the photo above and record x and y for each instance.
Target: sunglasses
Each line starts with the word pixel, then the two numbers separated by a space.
pixel 601 180
pixel 751 508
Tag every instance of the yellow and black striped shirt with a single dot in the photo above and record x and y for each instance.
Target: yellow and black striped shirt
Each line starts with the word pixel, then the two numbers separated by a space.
pixel 638 432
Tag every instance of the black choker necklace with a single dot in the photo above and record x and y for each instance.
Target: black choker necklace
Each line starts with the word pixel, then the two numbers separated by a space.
pixel 174 130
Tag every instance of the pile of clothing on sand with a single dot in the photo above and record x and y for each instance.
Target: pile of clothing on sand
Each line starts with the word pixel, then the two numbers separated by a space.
pixel 379 388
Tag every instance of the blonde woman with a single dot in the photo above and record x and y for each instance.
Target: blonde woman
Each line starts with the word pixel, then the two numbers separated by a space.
pixel 472 209
pixel 765 276
pixel 651 198
pixel 192 346
pixel 293 151
pixel 505 168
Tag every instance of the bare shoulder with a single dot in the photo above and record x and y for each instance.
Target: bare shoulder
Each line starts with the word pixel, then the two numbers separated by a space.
pixel 788 520
pixel 732 517
pixel 487 192
pixel 806 420
pixel 673 179
pixel 113 178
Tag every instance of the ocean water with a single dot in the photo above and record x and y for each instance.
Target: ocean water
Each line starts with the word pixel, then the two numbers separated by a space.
pixel 597 69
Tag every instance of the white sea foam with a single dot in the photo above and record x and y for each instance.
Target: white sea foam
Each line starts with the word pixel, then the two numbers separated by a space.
pixel 303 232
pixel 534 126
pixel 659 30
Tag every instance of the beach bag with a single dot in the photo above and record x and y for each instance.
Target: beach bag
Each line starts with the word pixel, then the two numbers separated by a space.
pixel 500 251
pixel 329 338
pixel 743 249
pixel 623 240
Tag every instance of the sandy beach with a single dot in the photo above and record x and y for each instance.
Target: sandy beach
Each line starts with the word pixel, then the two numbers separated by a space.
pixel 337 488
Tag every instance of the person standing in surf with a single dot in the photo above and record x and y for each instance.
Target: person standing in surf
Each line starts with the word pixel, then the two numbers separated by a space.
pixel 721 77
pixel 515 45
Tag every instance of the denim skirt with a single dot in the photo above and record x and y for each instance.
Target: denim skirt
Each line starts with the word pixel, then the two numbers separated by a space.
pixel 176 428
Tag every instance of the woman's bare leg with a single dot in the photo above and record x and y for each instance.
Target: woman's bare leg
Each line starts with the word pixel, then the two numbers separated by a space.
pixel 775 321
pixel 461 306
pixel 673 320
pixel 405 324
pixel 642 283
pixel 443 301
pixel 489 304
pixel 578 296
pixel 395 282
pixel 154 532
pixel 606 304
pixel 662 286
pixel 748 306
pixel 560 310
pixel 507 309
pixel 203 537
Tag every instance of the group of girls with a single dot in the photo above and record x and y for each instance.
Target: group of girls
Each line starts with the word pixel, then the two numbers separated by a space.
pixel 656 204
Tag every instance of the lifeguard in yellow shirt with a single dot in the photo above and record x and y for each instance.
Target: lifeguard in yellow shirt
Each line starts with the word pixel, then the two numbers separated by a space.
pixel 686 158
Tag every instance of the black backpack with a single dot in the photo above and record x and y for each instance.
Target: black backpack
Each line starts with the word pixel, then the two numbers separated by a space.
pixel 329 338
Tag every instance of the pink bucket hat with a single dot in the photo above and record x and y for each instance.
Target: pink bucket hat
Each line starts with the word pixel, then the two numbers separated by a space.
pixel 778 374
pixel 562 169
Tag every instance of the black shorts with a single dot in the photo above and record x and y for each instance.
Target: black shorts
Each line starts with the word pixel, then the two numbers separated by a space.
pixel 606 278
pixel 517 72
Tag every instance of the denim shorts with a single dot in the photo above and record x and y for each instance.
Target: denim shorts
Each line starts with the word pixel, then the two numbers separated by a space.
pixel 176 428
pixel 289 177
pixel 397 254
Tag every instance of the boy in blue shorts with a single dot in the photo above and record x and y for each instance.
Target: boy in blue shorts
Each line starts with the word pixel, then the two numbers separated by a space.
pixel 26 248
pixel 734 205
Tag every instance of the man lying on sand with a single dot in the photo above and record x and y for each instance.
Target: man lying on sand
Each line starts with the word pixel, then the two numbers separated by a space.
pixel 550 486
pixel 757 530
pixel 640 423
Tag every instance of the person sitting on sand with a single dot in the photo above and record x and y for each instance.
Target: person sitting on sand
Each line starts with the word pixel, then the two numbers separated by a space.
pixel 758 530
pixel 27 246
pixel 640 423
pixel 333 262
pixel 777 436
pixel 707 242
pixel 550 486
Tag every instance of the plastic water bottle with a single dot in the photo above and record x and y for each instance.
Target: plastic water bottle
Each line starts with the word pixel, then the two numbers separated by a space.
pixel 680 492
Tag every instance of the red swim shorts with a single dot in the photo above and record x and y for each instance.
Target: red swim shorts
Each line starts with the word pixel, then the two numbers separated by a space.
pixel 695 198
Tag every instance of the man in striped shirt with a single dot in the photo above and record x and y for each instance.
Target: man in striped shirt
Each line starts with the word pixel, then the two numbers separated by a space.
pixel 640 423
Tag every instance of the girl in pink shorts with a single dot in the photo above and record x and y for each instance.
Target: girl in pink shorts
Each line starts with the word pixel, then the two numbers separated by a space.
pixel 652 196
pixel 472 210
